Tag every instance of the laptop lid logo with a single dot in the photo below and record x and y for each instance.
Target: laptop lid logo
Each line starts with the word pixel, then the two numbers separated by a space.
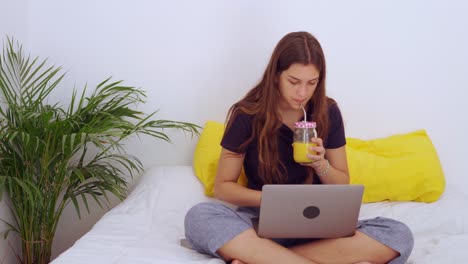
pixel 311 212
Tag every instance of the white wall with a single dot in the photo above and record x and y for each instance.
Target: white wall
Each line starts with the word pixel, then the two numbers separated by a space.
pixel 393 66
pixel 13 24
pixel 14 20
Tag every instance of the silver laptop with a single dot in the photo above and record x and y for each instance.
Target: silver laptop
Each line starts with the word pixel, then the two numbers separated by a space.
pixel 309 210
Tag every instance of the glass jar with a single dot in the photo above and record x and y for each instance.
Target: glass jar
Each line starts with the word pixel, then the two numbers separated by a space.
pixel 303 133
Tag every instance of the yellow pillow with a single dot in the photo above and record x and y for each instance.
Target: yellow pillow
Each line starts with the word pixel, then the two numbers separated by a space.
pixel 397 168
pixel 401 167
pixel 206 156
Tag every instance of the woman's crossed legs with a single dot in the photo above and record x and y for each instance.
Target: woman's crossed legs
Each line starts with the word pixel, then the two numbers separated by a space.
pixel 249 248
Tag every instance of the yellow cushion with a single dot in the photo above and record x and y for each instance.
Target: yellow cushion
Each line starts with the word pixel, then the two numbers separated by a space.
pixel 401 167
pixel 397 168
pixel 206 156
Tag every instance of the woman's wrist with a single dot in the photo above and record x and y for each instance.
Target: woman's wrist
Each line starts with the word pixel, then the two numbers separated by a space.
pixel 324 169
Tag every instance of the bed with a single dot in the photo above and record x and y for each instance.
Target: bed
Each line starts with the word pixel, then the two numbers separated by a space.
pixel 148 225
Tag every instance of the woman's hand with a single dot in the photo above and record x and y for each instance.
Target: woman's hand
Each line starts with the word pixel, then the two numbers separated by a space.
pixel 330 165
pixel 317 154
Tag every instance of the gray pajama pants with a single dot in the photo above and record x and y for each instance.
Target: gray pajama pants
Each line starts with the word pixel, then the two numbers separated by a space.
pixel 208 226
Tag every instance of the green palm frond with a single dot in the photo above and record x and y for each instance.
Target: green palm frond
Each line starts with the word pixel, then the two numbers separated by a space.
pixel 53 156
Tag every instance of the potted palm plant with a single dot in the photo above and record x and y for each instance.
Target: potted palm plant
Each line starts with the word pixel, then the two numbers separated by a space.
pixel 52 155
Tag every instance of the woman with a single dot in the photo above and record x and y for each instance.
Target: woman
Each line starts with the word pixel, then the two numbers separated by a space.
pixel 258 137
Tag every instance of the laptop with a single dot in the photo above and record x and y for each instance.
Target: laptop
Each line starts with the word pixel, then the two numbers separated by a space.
pixel 309 210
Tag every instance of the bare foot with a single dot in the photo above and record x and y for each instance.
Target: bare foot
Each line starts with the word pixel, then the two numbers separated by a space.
pixel 236 261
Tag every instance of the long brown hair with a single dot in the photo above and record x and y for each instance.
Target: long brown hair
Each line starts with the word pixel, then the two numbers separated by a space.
pixel 262 101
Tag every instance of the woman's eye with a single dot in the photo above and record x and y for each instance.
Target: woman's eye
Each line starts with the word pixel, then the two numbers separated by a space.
pixel 293 82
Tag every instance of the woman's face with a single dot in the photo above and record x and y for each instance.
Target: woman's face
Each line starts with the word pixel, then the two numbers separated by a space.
pixel 297 85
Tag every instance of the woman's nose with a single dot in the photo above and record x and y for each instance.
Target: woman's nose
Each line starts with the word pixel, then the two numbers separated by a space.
pixel 301 90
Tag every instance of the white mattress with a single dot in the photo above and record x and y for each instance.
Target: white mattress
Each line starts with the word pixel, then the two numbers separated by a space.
pixel 147 226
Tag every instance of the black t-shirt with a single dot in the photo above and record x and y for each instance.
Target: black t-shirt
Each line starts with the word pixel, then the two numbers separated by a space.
pixel 241 130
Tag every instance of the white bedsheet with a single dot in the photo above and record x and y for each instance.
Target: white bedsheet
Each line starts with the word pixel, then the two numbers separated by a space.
pixel 147 226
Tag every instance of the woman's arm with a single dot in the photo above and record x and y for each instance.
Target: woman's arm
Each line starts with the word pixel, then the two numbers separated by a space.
pixel 330 164
pixel 226 187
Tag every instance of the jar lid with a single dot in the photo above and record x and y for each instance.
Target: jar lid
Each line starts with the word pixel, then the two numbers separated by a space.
pixel 304 124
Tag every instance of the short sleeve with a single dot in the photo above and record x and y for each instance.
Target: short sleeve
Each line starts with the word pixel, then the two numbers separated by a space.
pixel 336 134
pixel 238 133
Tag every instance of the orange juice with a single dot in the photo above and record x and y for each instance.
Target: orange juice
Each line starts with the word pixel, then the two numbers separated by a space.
pixel 300 152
